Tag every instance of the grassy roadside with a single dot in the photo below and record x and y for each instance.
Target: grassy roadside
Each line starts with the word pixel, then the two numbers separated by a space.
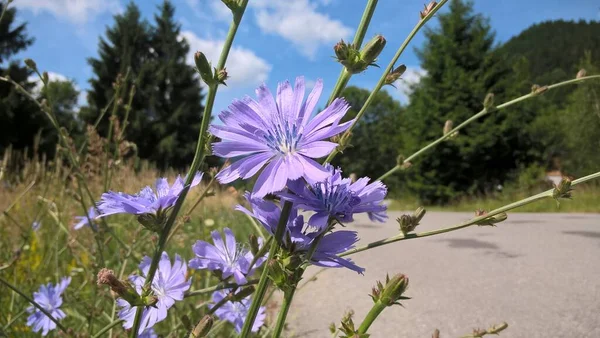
pixel 586 199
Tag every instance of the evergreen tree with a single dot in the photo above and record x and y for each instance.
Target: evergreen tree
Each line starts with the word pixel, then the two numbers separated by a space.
pixel 177 97
pixel 461 69
pixel 126 50
pixel 166 110
pixel 20 119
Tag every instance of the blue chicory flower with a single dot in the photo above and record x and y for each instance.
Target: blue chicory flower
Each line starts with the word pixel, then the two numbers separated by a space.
pixel 300 236
pixel 149 333
pixel 36 225
pixel 169 286
pixel 84 220
pixel 338 198
pixel 278 134
pixel 236 312
pixel 49 297
pixel 147 201
pixel 229 257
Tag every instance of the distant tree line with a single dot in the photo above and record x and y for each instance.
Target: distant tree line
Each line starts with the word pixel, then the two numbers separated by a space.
pixel 559 129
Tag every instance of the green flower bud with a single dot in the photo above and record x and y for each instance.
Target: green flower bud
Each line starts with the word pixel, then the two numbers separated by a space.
pixel 394 75
pixel 45 77
pixel 448 126
pixel 428 8
pixel 563 189
pixel 372 49
pixel 204 69
pixel 342 50
pixel 419 214
pixel 581 73
pixel 234 5
pixel 203 327
pixel 123 288
pixel 393 290
pixel 31 64
pixel 492 220
pixel 222 76
pixel 488 102
pixel 537 90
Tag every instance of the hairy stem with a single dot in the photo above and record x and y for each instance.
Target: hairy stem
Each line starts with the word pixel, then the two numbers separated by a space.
pixel 482 113
pixel 528 200
pixel 387 70
pixel 197 161
pixel 259 294
pixel 375 311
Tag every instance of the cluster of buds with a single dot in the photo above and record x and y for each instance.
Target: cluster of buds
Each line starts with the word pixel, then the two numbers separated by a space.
pixel 285 272
pixel 356 61
pixel 537 89
pixel 391 293
pixel 348 328
pixel 494 330
pixel 125 290
pixel 234 5
pixel 428 8
pixel 394 75
pixel 492 220
pixel 408 223
pixel 562 190
pixel 210 76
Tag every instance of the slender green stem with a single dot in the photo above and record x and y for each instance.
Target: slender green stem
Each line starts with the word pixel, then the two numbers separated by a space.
pixel 285 307
pixel 4 10
pixel 370 318
pixel 197 161
pixel 107 328
pixel 477 116
pixel 528 200
pixel 14 319
pixel 345 76
pixel 35 304
pixel 216 287
pixel 264 280
pixel 387 70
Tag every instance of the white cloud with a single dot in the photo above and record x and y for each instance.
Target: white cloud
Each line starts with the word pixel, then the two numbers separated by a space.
pixel 411 77
pixel 51 76
pixel 244 67
pixel 78 11
pixel 299 22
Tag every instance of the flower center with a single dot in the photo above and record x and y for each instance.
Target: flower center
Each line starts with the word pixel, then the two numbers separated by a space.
pixel 336 198
pixel 283 138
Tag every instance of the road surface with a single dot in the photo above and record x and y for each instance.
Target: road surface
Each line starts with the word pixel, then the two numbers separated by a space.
pixel 540 273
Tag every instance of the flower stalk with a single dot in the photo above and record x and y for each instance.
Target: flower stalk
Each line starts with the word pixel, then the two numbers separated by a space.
pixel 473 221
pixel 263 282
pixel 403 164
pixel 345 76
pixel 198 157
pixel 386 72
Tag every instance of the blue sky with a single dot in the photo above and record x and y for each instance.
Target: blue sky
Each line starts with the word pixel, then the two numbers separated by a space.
pixel 278 39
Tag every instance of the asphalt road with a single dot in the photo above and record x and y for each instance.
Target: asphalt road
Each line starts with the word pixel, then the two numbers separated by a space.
pixel 540 273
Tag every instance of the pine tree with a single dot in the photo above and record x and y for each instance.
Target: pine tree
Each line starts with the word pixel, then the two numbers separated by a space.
pixel 462 67
pixel 126 50
pixel 177 97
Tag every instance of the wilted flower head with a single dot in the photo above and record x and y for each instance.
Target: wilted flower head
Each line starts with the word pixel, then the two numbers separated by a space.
pixel 147 201
pixel 229 257
pixel 169 285
pixel 50 298
pixel 84 220
pixel 279 135
pixel 299 236
pixel 236 312
pixel 338 198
